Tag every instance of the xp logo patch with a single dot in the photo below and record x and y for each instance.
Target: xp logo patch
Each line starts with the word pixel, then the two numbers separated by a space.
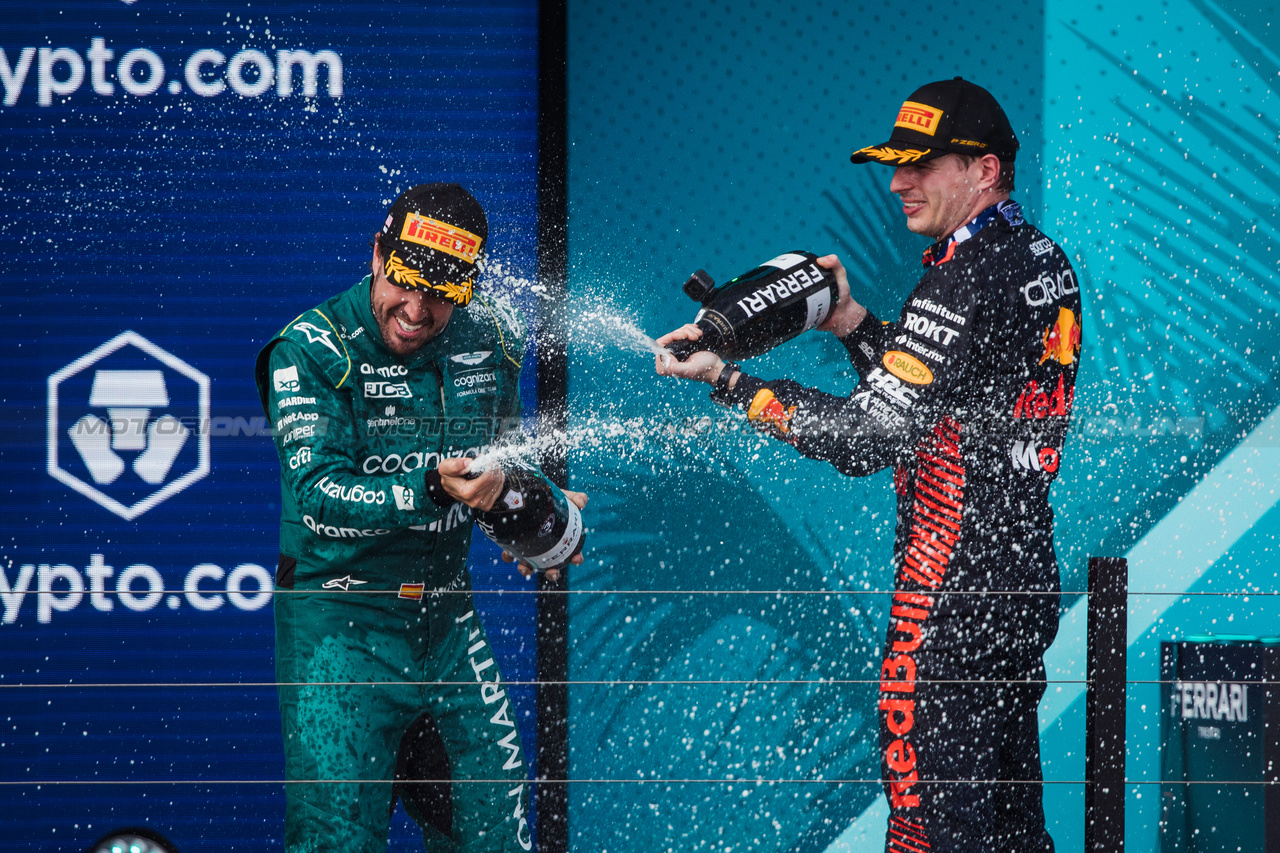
pixel 127 425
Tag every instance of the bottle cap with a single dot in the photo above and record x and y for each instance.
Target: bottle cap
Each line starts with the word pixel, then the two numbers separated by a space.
pixel 699 286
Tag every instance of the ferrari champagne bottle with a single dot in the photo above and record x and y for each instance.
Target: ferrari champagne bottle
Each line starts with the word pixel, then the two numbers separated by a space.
pixel 755 312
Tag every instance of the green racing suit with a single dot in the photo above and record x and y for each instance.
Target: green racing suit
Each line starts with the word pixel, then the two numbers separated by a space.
pixel 375 626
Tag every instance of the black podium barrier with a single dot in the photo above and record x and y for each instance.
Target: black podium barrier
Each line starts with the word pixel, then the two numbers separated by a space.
pixel 1105 705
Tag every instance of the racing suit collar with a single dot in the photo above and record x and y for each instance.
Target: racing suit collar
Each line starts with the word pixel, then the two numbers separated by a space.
pixel 359 299
pixel 943 250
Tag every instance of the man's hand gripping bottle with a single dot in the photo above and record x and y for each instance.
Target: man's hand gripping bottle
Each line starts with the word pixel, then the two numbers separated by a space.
pixel 533 520
pixel 755 312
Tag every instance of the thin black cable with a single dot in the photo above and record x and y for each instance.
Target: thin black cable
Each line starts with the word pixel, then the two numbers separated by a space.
pixel 97 685
pixel 743 782
pixel 598 682
pixel 252 593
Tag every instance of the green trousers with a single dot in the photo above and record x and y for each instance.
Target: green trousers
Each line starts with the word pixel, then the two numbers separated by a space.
pixel 355 672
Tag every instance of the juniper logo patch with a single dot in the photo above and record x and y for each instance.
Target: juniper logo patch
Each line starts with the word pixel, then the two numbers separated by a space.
pixel 127 425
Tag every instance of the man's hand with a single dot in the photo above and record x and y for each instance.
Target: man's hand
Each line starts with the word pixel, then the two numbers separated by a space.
pixel 700 367
pixel 848 314
pixel 580 500
pixel 479 493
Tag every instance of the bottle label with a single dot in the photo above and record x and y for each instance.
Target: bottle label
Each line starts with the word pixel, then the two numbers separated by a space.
pixel 786 261
pixel 781 289
pixel 565 546
pixel 818 306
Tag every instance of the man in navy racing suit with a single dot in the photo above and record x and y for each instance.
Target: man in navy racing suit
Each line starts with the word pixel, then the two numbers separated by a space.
pixel 967 396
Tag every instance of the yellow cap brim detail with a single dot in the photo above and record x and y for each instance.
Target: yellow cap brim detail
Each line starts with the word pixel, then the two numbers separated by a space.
pixel 458 293
pixel 892 156
pixel 411 279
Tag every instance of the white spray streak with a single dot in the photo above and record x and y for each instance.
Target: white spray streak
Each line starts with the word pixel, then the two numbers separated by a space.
pixel 597 326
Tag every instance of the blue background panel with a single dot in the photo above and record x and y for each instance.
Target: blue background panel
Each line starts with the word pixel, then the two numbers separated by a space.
pixel 202 209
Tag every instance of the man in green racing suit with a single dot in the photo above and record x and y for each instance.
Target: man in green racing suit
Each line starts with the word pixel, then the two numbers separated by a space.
pixel 378 396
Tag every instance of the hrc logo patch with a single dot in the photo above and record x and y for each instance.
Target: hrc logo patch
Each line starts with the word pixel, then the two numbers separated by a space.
pixel 921 118
pixel 441 236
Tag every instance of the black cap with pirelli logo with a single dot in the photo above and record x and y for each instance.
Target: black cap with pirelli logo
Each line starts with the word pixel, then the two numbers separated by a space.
pixel 945 117
pixel 433 239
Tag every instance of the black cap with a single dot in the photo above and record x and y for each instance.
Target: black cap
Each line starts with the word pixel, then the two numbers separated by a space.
pixel 433 239
pixel 946 117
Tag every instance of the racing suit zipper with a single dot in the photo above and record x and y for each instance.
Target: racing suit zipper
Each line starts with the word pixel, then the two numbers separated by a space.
pixel 444 425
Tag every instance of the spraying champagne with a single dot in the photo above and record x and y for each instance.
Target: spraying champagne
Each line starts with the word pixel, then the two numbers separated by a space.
pixel 755 312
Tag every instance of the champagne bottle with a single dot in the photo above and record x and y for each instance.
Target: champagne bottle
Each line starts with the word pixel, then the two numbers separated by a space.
pixel 533 520
pixel 755 312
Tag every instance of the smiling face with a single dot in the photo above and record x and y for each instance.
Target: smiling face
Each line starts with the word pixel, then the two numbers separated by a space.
pixel 940 195
pixel 407 319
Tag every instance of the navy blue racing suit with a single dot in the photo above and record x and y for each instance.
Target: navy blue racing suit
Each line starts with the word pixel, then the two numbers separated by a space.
pixel 968 397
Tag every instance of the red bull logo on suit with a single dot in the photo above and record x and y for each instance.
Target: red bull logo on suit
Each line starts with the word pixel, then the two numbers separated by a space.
pixel 1062 339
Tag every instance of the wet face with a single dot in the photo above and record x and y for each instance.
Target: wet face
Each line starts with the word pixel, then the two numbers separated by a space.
pixel 407 319
pixel 938 196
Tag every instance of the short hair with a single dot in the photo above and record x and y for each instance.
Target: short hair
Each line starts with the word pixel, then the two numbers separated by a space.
pixel 1004 181
pixel 374 244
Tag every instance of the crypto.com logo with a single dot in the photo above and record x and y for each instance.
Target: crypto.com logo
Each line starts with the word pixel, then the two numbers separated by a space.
pixel 125 409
